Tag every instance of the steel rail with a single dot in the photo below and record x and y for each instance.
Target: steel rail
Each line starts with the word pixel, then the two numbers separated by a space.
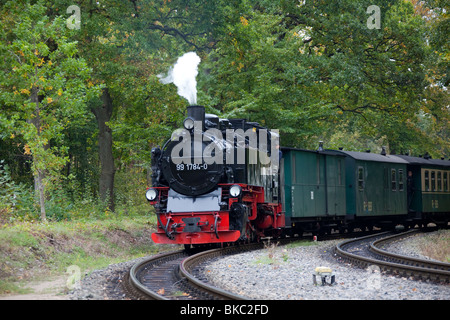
pixel 403 264
pixel 185 272
pixel 412 261
pixel 138 268
pixel 189 263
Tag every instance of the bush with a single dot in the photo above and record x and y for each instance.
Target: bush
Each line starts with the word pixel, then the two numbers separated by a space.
pixel 16 200
pixel 67 198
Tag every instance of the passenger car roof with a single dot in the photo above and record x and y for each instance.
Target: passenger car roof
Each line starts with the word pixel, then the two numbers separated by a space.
pixel 325 152
pixel 367 156
pixel 425 161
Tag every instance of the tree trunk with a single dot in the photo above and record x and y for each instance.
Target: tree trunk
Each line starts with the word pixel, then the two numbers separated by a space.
pixel 39 174
pixel 106 183
pixel 39 181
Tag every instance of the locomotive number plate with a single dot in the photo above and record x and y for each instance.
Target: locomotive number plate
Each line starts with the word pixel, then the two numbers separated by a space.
pixel 191 166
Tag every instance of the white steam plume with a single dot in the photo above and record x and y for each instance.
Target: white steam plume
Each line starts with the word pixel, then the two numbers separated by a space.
pixel 183 74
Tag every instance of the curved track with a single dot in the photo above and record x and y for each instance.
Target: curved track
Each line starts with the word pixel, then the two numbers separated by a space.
pixel 365 251
pixel 189 265
pixel 172 276
pixel 177 275
pixel 155 277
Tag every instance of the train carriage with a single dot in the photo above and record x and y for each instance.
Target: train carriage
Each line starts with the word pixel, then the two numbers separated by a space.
pixel 313 189
pixel 375 188
pixel 428 188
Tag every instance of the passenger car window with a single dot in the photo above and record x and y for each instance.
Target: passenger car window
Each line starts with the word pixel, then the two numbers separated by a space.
pixel 400 179
pixel 393 180
pixel 360 178
pixel 340 172
pixel 445 181
pixel 433 181
pixel 439 181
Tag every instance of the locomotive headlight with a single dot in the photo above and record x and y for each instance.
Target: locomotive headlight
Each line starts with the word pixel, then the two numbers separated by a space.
pixel 188 123
pixel 235 191
pixel 151 194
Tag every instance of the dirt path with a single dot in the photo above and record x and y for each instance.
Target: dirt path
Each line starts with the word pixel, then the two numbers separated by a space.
pixel 50 289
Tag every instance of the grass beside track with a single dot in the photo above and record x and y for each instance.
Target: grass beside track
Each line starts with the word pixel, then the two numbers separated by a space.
pixel 32 250
pixel 436 246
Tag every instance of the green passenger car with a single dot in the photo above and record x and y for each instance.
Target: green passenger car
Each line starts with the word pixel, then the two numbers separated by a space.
pixel 376 186
pixel 313 188
pixel 328 189
pixel 429 188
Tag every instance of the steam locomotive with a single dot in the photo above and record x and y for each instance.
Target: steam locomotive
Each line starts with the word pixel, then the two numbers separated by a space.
pixel 227 180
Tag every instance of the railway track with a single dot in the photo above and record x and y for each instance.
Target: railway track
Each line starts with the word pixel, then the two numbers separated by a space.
pixel 175 276
pixel 178 275
pixel 367 251
pixel 155 278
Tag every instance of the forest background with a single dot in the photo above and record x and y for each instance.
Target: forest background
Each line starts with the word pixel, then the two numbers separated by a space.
pixel 81 104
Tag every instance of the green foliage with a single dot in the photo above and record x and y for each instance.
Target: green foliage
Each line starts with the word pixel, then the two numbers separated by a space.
pixel 312 69
pixel 16 199
pixel 8 188
pixel 153 112
pixel 44 85
pixel 130 192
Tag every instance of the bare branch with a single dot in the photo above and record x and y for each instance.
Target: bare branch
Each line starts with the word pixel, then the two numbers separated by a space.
pixel 18 58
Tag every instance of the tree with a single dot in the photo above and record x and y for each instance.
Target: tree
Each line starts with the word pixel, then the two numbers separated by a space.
pixel 127 43
pixel 315 67
pixel 434 115
pixel 43 85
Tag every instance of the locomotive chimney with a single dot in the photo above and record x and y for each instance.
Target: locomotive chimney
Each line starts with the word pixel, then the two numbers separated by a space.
pixel 197 113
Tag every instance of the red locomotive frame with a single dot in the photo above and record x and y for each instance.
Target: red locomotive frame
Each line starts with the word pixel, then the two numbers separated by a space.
pixel 214 226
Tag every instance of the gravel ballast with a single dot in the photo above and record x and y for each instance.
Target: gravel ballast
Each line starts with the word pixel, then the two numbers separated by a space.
pixel 284 273
pixel 287 273
pixel 104 284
